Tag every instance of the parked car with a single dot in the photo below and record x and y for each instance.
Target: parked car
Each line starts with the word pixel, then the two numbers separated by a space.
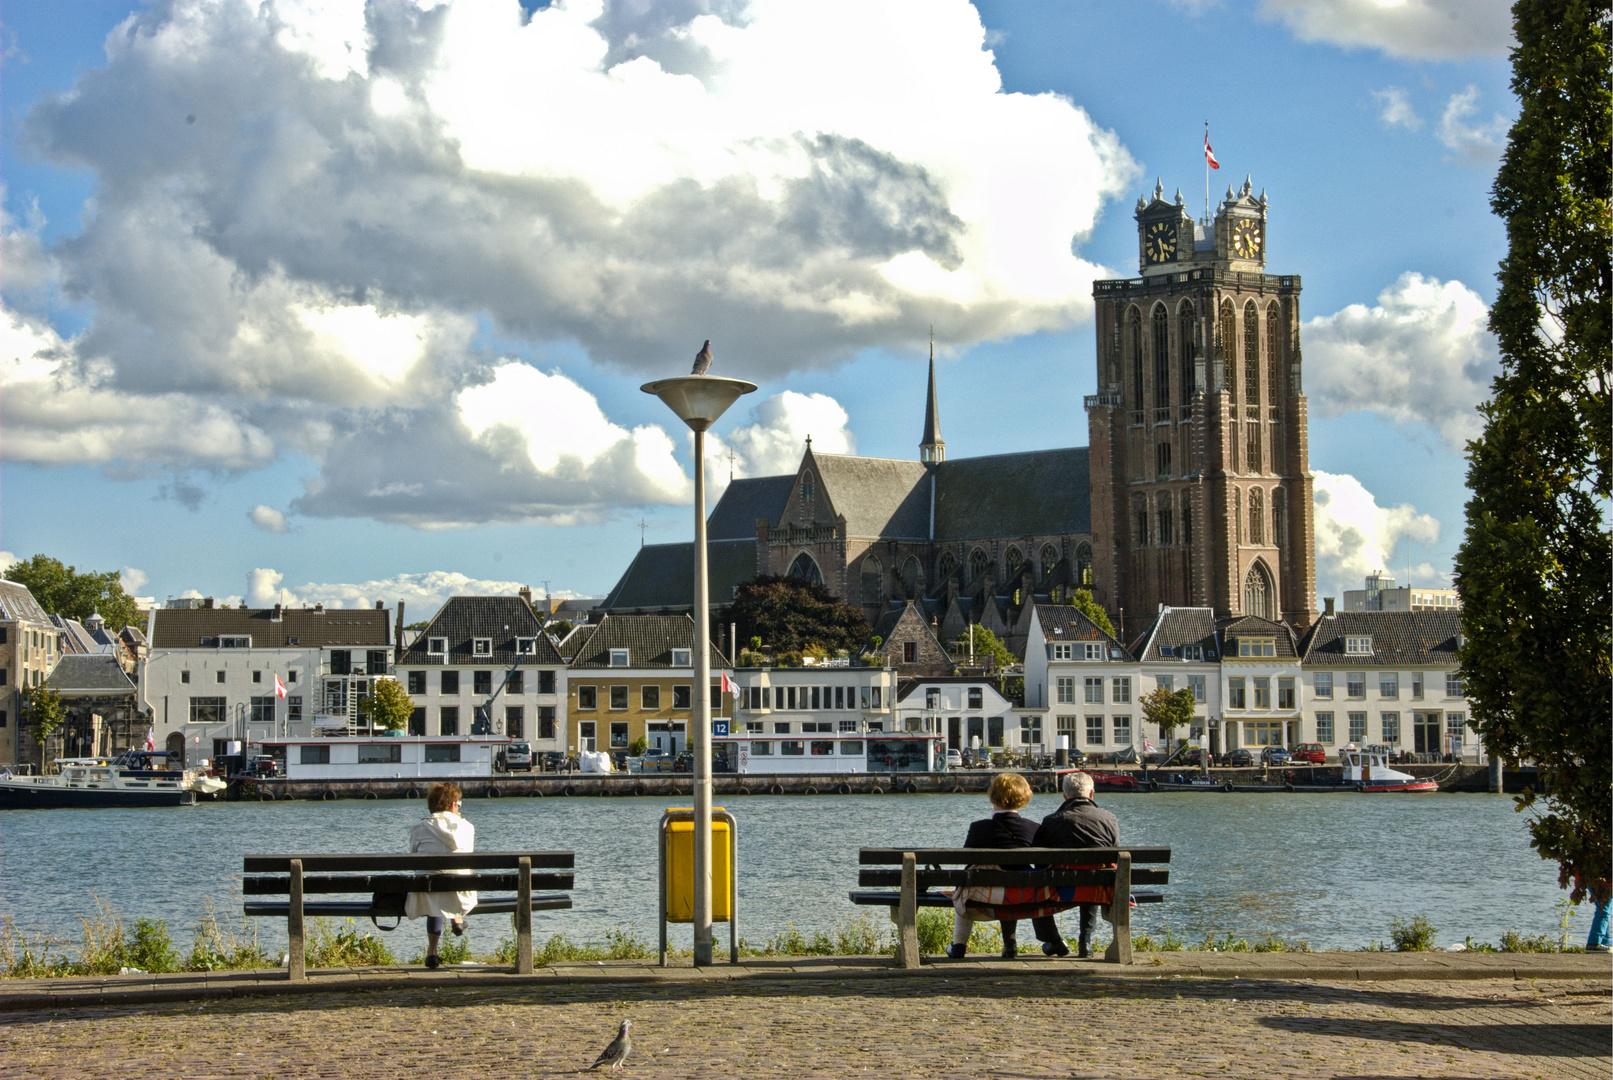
pixel 1314 753
pixel 656 760
pixel 1192 756
pixel 1238 759
pixel 516 757
pixel 954 759
pixel 553 761
pixel 1275 755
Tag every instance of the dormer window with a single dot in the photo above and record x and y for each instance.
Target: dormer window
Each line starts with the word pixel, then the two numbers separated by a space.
pixel 1192 652
pixel 436 646
pixel 1167 650
pixel 1358 646
pixel 682 658
pixel 618 658
pixel 1063 651
pixel 235 643
pixel 1257 647
pixel 481 646
pixel 526 646
pixel 1092 650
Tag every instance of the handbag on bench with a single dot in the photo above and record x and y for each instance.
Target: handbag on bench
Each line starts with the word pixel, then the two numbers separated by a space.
pixel 388 905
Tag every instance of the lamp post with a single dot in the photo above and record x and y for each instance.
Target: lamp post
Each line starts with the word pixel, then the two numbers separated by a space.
pixel 699 400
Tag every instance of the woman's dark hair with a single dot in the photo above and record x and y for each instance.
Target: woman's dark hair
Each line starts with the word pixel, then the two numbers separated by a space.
pixel 440 797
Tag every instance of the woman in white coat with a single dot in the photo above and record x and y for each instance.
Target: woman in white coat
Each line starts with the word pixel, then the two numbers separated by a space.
pixel 441 831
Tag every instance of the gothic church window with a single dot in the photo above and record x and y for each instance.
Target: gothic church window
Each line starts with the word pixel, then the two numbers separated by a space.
pixel 1257 593
pixel 1164 516
pixel 807 488
pixel 1257 518
pixel 1083 565
pixel 1050 559
pixel 1162 364
pixel 912 578
pixel 1273 371
pixel 873 577
pixel 946 567
pixel 1012 562
pixel 1251 454
pixel 1237 515
pixel 805 569
pixel 1251 354
pixel 1279 519
pixel 1139 513
pixel 977 564
pixel 1187 520
pixel 1162 458
pixel 1136 321
pixel 1185 327
pixel 1229 350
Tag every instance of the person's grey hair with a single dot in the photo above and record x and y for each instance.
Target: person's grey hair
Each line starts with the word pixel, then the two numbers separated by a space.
pixel 1077 785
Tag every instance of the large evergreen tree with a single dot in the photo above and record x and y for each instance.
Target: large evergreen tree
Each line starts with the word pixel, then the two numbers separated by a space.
pixel 1534 565
pixel 63 590
pixel 789 614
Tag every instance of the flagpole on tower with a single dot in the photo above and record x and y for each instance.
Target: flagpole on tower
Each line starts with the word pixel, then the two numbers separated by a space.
pixel 1206 173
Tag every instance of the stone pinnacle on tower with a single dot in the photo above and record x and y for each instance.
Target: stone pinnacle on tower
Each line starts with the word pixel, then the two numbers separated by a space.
pixel 933 448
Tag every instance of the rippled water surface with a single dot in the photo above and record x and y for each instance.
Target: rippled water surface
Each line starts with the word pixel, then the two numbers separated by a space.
pixel 1328 869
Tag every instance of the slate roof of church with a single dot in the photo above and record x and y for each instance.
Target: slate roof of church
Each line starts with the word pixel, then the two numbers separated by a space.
pixel 661 576
pixel 1252 626
pixel 1178 626
pixel 1030 493
pixel 16 602
pixel 745 500
pixel 297 628
pixel 1411 638
pixel 97 672
pixel 879 497
pixel 648 639
pixel 465 617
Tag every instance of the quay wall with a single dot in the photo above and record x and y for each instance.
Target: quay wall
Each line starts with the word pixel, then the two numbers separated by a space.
pixel 728 785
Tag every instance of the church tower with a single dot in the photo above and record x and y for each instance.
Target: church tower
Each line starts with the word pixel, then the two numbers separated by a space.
pixel 932 448
pixel 1201 485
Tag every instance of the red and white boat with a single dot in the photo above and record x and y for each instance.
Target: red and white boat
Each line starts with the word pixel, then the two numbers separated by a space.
pixel 1370 771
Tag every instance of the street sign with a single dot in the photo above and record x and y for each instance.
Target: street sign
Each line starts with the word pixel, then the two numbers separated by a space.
pixel 719 728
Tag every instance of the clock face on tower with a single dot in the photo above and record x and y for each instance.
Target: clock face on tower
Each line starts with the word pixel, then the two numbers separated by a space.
pixel 1159 243
pixel 1246 239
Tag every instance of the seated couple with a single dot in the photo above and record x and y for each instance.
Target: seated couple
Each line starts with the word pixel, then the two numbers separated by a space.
pixel 1078 823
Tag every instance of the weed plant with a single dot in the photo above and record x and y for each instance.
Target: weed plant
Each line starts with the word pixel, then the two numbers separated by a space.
pixel 330 945
pixel 1414 935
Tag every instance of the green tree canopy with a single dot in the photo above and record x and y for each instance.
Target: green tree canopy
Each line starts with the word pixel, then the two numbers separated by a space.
pixel 62 590
pixel 789 614
pixel 1082 601
pixel 1169 710
pixel 986 644
pixel 1533 568
pixel 45 711
pixel 388 706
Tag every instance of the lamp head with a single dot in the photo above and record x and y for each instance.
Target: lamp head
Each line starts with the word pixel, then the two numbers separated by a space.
pixel 699 400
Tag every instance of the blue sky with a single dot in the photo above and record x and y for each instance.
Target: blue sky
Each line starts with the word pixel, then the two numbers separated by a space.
pixel 310 306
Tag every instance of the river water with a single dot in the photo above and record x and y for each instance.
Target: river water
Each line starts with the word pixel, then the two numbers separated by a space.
pixel 1332 870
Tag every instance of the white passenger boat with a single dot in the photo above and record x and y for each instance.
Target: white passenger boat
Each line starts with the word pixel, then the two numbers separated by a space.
pixel 162 765
pixel 91 783
pixel 1369 770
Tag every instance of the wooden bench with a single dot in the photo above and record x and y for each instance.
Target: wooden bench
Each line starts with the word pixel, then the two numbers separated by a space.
pixel 922 869
pixel 299 876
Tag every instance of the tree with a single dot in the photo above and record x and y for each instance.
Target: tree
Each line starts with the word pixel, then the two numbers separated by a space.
pixel 45 711
pixel 986 644
pixel 1169 710
pixel 387 707
pixel 1082 601
pixel 560 628
pixel 62 590
pixel 789 614
pixel 1533 565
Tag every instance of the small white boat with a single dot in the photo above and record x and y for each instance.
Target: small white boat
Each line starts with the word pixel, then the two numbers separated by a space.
pixel 164 765
pixel 1369 770
pixel 93 783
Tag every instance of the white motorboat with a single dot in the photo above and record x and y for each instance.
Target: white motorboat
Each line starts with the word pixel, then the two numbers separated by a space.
pixel 94 782
pixel 1368 770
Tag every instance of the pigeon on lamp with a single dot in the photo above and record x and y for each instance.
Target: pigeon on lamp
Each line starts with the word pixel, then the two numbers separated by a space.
pixel 702 359
pixel 616 1053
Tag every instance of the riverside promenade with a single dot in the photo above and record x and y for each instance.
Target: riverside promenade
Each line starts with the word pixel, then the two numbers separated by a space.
pixel 1170 1014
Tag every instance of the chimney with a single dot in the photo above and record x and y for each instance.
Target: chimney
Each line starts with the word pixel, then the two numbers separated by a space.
pixel 1327 606
pixel 320 608
pixel 525 593
pixel 278 613
pixel 380 605
pixel 397 635
pixel 208 603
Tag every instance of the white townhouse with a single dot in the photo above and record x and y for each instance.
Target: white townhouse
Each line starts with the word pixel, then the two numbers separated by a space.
pixel 484 667
pixel 967 711
pixel 1180 650
pixel 1260 675
pixel 1387 678
pixel 1082 681
pixel 818 718
pixel 208 676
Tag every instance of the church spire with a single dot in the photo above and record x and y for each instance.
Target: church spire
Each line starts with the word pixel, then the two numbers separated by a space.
pixel 933 448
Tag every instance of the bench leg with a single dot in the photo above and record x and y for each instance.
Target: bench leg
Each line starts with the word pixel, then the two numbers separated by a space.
pixel 296 966
pixel 907 931
pixel 523 919
pixel 1119 951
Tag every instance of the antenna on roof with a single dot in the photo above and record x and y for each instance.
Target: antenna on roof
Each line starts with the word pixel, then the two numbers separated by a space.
pixel 641 527
pixel 730 464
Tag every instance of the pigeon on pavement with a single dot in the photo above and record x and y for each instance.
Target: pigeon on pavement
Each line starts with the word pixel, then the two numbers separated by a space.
pixel 616 1053
pixel 702 359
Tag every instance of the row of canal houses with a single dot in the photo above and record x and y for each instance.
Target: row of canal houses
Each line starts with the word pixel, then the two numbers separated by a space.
pixel 485 668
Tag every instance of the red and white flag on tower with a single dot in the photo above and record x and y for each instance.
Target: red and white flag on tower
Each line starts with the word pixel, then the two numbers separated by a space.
pixel 279 688
pixel 1209 155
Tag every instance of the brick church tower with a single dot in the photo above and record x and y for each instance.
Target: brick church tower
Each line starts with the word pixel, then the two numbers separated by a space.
pixel 1201 485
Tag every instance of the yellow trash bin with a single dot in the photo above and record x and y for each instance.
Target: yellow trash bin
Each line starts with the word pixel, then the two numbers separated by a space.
pixel 680 870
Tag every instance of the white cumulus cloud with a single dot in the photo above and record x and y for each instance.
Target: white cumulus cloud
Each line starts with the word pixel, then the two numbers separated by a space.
pixel 134 579
pixel 1355 536
pixel 1471 143
pixel 422 594
pixel 776 438
pixel 267 518
pixel 1423 353
pixel 1395 109
pixel 1406 29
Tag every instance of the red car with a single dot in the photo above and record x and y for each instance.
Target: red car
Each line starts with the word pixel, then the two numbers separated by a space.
pixel 1312 752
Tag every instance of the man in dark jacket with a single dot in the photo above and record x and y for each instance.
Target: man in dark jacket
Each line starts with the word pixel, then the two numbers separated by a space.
pixel 1078 823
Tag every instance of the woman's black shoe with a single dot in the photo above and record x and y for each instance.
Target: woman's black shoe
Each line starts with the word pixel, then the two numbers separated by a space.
pixel 1055 948
pixel 957 952
pixel 1010 948
pixel 432 962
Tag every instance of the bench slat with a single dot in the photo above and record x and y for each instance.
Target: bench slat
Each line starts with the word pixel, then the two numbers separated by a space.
pixel 362 909
pixel 932 879
pixel 380 862
pixel 401 883
pixel 891 898
pixel 1011 856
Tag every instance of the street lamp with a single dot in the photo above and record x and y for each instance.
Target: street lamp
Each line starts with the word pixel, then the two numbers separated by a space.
pixel 699 400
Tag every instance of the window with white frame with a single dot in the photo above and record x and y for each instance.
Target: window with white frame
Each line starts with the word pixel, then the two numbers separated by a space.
pixel 1122 730
pixel 1092 650
pixel 618 658
pixel 1192 652
pixel 682 657
pixel 1358 727
pixel 1067 728
pixel 1324 684
pixel 1355 684
pixel 1094 731
pixel 1262 692
pixel 1416 686
pixel 1391 728
pixel 1196 684
pixel 1122 690
pixel 1030 730
pixel 1324 728
pixel 1094 690
pixel 526 646
pixel 1455 725
pixel 1166 683
pixel 1066 690
pixel 436 646
pixel 482 646
pixel 1357 646
pixel 1257 646
pixel 1235 693
pixel 1063 651
pixel 1285 693
pixel 1388 684
pixel 235 643
pixel 1453 684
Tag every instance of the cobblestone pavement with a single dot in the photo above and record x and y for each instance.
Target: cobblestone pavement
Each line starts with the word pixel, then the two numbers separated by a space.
pixel 1010 1027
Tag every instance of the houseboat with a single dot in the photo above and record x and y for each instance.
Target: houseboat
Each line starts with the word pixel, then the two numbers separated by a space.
pixel 88 783
pixel 380 757
pixel 831 753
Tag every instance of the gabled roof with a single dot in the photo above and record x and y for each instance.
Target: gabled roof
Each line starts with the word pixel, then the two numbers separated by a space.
pixel 1175 627
pixel 16 602
pixel 661 576
pixel 501 618
pixel 648 639
pixel 1411 638
pixel 747 499
pixel 1038 492
pixel 99 673
pixel 296 628
pixel 1233 628
pixel 879 497
pixel 572 642
pixel 1061 622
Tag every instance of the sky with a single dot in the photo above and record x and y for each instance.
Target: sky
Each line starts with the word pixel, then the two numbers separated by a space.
pixel 330 303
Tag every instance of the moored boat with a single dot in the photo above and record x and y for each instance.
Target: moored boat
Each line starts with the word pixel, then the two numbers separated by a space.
pixel 92 783
pixel 1369 771
pixel 164 765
